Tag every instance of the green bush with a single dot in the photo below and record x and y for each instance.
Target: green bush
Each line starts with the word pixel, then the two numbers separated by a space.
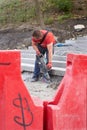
pixel 62 5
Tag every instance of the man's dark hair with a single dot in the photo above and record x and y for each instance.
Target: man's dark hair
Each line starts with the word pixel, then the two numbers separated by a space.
pixel 36 34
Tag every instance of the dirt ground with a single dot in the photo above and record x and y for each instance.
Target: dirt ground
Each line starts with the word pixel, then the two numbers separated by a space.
pixel 19 37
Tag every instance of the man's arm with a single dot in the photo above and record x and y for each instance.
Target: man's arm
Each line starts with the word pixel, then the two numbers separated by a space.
pixel 35 48
pixel 50 52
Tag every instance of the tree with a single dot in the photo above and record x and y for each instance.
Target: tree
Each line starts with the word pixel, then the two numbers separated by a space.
pixel 38 12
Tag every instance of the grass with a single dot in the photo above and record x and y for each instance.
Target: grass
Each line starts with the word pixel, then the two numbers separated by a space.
pixel 16 11
pixel 63 17
pixel 48 20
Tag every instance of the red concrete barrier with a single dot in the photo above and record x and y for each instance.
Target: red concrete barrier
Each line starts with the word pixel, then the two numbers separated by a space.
pixel 68 110
pixel 18 111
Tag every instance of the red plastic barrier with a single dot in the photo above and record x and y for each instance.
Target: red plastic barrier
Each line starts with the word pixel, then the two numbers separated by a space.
pixel 17 109
pixel 68 110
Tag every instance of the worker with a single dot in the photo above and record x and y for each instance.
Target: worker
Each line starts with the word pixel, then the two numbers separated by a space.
pixel 42 43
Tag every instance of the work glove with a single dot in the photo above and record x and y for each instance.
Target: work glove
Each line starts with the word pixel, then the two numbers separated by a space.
pixel 49 65
pixel 38 53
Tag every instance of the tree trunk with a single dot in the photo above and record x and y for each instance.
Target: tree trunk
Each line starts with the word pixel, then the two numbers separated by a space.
pixel 38 12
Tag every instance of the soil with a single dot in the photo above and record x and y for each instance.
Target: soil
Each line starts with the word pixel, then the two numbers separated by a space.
pixel 19 36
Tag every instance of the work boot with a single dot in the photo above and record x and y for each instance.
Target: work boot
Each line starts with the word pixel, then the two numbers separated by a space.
pixel 46 78
pixel 34 79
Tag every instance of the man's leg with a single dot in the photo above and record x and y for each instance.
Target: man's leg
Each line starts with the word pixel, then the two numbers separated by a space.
pixel 36 72
pixel 36 69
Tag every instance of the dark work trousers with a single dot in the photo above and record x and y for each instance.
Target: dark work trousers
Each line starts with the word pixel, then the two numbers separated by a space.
pixel 37 68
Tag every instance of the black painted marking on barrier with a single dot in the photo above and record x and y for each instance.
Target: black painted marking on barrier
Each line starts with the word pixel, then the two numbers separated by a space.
pixel 22 108
pixel 6 63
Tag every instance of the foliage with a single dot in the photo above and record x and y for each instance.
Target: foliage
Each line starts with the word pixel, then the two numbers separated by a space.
pixel 16 11
pixel 63 17
pixel 62 5
pixel 48 20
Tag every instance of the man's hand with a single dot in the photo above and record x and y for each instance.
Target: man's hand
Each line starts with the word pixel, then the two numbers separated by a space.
pixel 38 53
pixel 49 65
